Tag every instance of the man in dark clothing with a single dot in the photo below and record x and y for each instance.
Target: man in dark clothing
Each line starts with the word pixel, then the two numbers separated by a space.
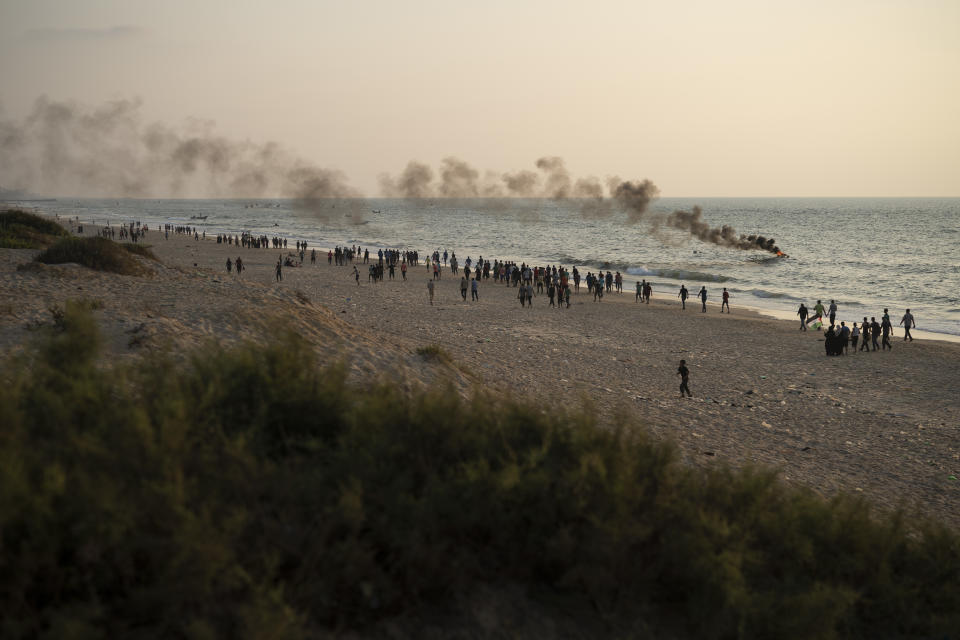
pixel 875 333
pixel 802 312
pixel 865 327
pixel 886 327
pixel 684 374
pixel 830 341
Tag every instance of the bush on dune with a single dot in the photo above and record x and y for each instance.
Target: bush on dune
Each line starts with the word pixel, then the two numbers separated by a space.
pixel 101 254
pixel 24 230
pixel 256 494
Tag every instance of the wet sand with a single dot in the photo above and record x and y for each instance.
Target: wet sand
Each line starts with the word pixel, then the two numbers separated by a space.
pixel 880 423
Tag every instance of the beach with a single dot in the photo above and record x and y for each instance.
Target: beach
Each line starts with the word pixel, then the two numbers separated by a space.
pixel 877 423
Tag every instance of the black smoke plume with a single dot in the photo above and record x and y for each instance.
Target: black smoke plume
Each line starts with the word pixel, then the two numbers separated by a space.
pixel 521 184
pixel 635 197
pixel 65 148
pixel 557 177
pixel 725 236
pixel 458 179
pixel 414 182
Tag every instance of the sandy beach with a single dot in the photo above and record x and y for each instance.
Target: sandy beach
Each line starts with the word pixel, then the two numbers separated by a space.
pixel 880 423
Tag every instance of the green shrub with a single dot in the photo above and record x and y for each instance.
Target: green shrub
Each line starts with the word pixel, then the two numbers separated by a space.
pixel 101 254
pixel 142 250
pixel 24 230
pixel 434 353
pixel 255 494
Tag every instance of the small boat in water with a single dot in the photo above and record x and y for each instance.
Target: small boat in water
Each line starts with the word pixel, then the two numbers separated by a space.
pixel 198 217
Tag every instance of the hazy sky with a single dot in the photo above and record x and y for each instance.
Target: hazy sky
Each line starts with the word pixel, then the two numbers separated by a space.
pixel 733 98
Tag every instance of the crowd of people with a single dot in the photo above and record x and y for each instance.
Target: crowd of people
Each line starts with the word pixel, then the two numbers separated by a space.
pixel 557 283
pixel 870 335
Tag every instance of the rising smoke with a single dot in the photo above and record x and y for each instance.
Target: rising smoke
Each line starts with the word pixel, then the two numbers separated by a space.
pixel 63 148
pixel 634 197
pixel 725 236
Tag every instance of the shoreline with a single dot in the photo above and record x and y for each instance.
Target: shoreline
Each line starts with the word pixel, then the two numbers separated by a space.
pixel 772 311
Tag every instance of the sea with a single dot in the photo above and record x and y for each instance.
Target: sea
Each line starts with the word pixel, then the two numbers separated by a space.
pixel 867 254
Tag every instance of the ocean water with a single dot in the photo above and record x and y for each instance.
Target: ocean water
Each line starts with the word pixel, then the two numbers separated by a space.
pixel 865 253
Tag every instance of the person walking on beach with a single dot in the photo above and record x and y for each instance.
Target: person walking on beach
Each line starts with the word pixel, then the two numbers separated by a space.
pixel 726 301
pixel 474 290
pixel 648 291
pixel 854 337
pixel 818 311
pixel 639 295
pixel 356 274
pixel 833 312
pixel 403 270
pixel 907 321
pixel 430 289
pixel 802 312
pixel 875 332
pixel 684 374
pixel 522 296
pixel 463 287
pixel 886 328
pixel 683 297
pixel 529 290
pixel 229 265
pixel 551 290
pixel 703 298
pixel 279 271
pixel 566 295
pixel 239 264
pixel 866 335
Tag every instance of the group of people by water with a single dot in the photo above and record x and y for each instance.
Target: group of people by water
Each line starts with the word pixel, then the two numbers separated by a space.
pixel 870 335
pixel 557 283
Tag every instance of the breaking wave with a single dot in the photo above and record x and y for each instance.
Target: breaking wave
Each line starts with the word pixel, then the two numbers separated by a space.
pixel 678 274
pixel 763 293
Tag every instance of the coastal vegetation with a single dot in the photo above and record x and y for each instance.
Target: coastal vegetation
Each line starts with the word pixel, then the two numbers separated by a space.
pixel 24 230
pixel 253 493
pixel 434 353
pixel 101 254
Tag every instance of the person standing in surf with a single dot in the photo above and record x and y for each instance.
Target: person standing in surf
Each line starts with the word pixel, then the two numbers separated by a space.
pixel 683 297
pixel 703 298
